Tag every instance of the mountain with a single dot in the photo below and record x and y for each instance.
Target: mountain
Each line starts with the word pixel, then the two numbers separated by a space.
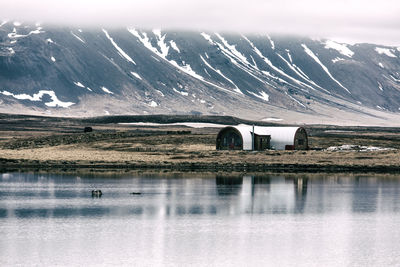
pixel 87 72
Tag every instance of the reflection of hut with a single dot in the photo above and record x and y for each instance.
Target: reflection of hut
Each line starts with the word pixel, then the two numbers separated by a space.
pixel 241 138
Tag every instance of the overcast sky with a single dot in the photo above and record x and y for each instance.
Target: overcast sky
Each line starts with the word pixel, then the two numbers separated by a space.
pixel 375 21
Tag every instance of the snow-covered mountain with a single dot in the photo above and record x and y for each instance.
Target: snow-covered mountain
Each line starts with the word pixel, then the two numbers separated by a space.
pixel 86 72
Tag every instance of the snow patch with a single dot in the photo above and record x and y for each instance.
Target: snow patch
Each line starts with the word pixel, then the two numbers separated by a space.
pixel 53 59
pixel 186 68
pixel 207 37
pixel 49 41
pixel 272 42
pixel 77 37
pixel 181 92
pixel 337 59
pixel 38 97
pixel 316 59
pixel 17 23
pixel 341 48
pixel 161 93
pixel 79 84
pixel 233 50
pixel 174 46
pixel 262 95
pixel 14 35
pixel 161 42
pixel 120 51
pixel 136 75
pixel 358 148
pixel 153 104
pixel 381 65
pixel 380 86
pixel 106 90
pixel 272 119
pixel 385 51
pixel 188 124
pixel 222 75
pixel 394 79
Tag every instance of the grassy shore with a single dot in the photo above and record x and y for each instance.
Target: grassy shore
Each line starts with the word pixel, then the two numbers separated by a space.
pixel 37 143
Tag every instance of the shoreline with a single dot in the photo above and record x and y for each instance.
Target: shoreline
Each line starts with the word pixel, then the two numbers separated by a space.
pixel 11 165
pixel 58 144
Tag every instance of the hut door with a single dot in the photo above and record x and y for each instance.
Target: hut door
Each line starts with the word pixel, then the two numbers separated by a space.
pixel 262 142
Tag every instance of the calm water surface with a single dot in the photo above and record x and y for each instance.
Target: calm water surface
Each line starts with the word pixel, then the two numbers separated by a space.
pixel 274 220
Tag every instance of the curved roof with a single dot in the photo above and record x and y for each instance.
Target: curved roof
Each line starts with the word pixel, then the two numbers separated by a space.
pixel 280 136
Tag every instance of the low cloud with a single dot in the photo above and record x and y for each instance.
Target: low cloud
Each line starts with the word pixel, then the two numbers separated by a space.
pixel 353 20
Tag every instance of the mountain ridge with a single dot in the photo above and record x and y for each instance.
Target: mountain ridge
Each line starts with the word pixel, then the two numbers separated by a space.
pixel 79 72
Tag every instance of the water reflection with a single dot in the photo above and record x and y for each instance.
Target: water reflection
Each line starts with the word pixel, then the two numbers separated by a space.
pixel 66 196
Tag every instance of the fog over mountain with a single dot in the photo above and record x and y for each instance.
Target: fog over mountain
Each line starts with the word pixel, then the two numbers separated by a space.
pixel 370 21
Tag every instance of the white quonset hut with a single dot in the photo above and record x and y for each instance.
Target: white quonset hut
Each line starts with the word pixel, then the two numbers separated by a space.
pixel 240 137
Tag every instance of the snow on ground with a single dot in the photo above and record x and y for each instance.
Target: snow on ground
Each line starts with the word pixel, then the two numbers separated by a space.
pixel 289 55
pixel 4 22
pixel 77 37
pixel 380 86
pixel 233 50
pixel 49 41
pixel 161 42
pixel 295 100
pixel 79 84
pixel 238 61
pixel 358 148
pixel 188 124
pixel 106 90
pixel 381 65
pixel 278 70
pixel 161 93
pixel 38 97
pixel 153 104
pixel 120 51
pixel 136 75
pixel 272 119
pixel 300 73
pixel 53 59
pixel 337 59
pixel 14 35
pixel 272 42
pixel 12 52
pixel 221 74
pixel 180 92
pixel 341 48
pixel 207 37
pixel 174 46
pixel 186 68
pixel 316 59
pixel 394 79
pixel 17 23
pixel 385 51
pixel 263 95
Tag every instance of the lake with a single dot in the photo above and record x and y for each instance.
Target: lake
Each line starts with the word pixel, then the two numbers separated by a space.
pixel 199 220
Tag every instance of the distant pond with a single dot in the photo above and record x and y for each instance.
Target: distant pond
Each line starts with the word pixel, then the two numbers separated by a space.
pixel 201 220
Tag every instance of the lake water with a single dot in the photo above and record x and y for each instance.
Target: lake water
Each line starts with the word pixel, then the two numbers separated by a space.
pixel 207 220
